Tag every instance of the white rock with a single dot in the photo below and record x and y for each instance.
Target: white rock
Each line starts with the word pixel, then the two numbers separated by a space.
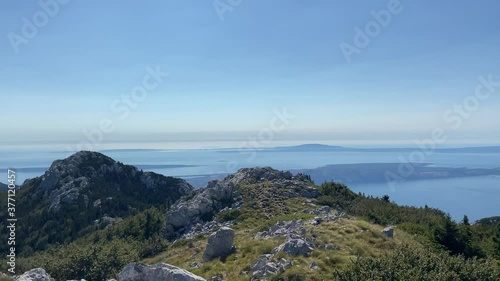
pixel 37 274
pixel 220 244
pixel 389 231
pixel 157 272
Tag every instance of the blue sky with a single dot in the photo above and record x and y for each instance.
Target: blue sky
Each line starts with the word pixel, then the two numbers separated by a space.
pixel 228 77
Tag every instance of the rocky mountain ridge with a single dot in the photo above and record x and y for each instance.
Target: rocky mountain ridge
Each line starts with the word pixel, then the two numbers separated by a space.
pixel 227 194
pixel 65 180
pixel 85 192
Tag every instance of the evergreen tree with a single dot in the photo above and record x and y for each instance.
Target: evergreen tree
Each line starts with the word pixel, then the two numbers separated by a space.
pixel 148 227
pixel 496 241
pixel 449 236
pixel 465 220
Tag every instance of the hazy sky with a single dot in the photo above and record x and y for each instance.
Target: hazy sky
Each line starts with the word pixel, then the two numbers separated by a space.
pixel 231 68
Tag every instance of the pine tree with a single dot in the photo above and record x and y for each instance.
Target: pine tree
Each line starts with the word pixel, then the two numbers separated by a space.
pixel 465 220
pixel 148 227
pixel 449 236
pixel 496 240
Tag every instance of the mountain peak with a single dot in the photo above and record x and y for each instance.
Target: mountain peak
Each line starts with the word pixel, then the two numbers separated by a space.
pixel 89 186
pixel 256 186
pixel 65 180
pixel 253 175
pixel 90 158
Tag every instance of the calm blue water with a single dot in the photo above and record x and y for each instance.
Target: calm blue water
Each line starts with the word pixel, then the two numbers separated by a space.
pixel 478 196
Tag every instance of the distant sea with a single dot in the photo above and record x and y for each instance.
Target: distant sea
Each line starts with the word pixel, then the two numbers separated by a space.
pixel 477 197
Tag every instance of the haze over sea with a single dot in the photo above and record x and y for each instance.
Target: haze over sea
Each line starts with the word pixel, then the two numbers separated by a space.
pixel 476 197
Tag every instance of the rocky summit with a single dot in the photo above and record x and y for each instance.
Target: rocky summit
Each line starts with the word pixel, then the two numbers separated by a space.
pixel 271 189
pixel 82 173
pixel 85 192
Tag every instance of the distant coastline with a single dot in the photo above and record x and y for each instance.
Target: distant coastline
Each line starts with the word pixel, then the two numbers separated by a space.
pixel 323 147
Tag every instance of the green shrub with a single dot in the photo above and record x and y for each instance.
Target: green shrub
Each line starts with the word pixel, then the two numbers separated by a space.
pixel 265 249
pixel 90 262
pixel 230 215
pixel 432 227
pixel 409 263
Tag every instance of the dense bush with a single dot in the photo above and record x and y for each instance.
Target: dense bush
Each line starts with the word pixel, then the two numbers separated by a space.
pixel 96 262
pixel 409 263
pixel 457 239
pixel 431 226
pixel 230 215
pixel 102 254
pixel 496 246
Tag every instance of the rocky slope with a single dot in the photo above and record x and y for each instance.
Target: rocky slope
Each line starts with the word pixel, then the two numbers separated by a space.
pixel 272 188
pixel 251 196
pixel 87 191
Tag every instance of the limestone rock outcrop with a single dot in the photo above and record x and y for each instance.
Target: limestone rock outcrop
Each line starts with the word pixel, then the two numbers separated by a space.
pixel 157 272
pixel 220 244
pixel 37 274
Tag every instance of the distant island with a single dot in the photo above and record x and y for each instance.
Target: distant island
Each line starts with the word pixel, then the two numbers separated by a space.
pixel 324 147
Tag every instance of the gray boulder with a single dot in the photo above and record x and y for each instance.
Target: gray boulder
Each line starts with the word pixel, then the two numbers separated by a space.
pixel 106 222
pixel 157 272
pixel 37 274
pixel 196 265
pixel 314 266
pixel 264 267
pixel 309 192
pixel 389 231
pixel 282 228
pixel 295 246
pixel 325 210
pixel 204 229
pixel 317 221
pixel 220 244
